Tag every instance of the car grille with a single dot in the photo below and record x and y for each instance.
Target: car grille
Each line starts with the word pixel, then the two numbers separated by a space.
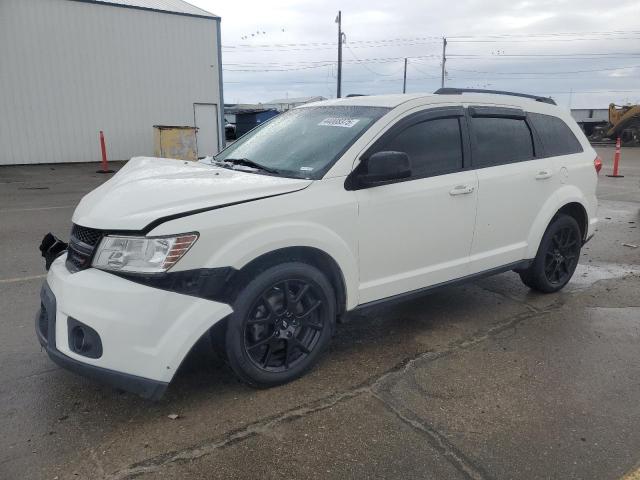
pixel 89 236
pixel 82 245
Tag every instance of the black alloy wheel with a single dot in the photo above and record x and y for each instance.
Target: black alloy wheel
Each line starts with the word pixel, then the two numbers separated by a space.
pixel 284 325
pixel 562 255
pixel 282 321
pixel 557 256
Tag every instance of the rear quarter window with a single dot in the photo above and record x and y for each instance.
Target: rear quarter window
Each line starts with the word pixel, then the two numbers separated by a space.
pixel 555 135
pixel 501 140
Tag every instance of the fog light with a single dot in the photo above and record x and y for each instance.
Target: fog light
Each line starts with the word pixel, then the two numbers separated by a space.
pixel 79 344
pixel 83 339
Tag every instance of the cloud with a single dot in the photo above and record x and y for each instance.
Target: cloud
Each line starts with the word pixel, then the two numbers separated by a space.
pixel 373 66
pixel 626 73
pixel 510 22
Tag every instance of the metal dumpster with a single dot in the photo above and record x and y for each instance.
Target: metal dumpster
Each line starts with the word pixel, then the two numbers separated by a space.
pixel 248 119
pixel 171 141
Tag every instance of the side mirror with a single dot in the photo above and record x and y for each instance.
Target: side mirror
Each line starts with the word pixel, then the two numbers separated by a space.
pixel 383 167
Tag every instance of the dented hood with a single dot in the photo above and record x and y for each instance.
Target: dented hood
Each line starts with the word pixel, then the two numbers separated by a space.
pixel 147 189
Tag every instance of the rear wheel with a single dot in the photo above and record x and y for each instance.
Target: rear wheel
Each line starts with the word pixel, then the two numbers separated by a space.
pixel 557 256
pixel 282 321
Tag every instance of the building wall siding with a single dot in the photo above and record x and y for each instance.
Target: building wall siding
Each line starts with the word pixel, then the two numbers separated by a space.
pixel 70 69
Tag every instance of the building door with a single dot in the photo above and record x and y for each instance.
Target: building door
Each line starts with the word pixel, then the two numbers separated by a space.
pixel 206 120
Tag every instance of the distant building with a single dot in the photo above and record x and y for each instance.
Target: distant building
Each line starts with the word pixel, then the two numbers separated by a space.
pixel 590 114
pixel 284 104
pixel 588 118
pixel 71 68
pixel 280 105
pixel 232 109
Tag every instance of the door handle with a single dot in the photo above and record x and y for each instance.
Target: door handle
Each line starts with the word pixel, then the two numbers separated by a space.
pixel 543 175
pixel 461 190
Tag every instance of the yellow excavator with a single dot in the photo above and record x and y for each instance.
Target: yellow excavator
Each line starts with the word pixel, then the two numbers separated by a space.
pixel 624 122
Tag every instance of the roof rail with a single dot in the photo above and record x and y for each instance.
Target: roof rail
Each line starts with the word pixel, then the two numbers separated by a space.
pixel 459 91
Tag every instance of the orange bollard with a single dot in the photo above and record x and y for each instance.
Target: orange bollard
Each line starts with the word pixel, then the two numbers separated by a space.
pixel 616 161
pixel 104 168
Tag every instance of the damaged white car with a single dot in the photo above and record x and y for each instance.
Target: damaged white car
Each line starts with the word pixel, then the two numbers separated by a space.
pixel 327 208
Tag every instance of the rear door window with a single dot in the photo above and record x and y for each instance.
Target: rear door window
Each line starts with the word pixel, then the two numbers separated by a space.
pixel 556 136
pixel 501 140
pixel 434 146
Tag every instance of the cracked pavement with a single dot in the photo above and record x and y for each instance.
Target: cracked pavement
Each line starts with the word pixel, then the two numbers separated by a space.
pixel 484 381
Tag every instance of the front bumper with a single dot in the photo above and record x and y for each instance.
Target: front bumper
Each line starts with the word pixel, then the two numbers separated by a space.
pixel 145 332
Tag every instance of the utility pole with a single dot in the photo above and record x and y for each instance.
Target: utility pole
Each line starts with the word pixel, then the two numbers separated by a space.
pixel 339 22
pixel 570 97
pixel 404 82
pixel 444 59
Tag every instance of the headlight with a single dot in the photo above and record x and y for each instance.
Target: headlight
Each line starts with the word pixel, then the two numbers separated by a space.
pixel 142 254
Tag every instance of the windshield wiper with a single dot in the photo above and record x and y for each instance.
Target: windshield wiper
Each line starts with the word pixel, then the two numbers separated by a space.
pixel 250 163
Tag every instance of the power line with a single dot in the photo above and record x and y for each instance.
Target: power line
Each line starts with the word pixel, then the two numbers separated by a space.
pixel 229 49
pixel 422 71
pixel 547 34
pixel 592 39
pixel 401 42
pixel 256 70
pixel 314 49
pixel 422 58
pixel 259 66
pixel 543 55
pixel 331 44
pixel 547 72
pixel 366 67
pixel 312 62
pixel 589 92
pixel 392 80
pixel 454 38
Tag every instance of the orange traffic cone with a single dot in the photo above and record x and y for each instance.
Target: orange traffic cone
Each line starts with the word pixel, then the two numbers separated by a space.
pixel 104 166
pixel 616 161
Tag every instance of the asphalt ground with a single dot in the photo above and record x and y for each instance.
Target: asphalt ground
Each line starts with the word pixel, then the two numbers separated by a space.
pixel 484 381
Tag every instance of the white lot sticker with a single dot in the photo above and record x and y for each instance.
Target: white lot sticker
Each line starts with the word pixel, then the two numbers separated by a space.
pixel 339 122
pixel 306 169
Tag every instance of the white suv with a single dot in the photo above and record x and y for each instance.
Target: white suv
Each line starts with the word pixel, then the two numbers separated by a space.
pixel 330 207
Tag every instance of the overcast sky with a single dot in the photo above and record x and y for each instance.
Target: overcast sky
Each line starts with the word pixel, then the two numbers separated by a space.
pixel 584 53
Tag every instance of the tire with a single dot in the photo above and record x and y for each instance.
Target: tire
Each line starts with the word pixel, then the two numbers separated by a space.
pixel 217 336
pixel 282 321
pixel 557 256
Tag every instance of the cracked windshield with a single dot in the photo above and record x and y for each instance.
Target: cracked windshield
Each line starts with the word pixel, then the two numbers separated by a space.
pixel 302 143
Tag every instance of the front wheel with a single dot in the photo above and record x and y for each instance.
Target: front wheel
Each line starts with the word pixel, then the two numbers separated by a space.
pixel 557 256
pixel 282 321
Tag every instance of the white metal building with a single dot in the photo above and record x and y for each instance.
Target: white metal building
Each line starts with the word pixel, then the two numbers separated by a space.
pixel 70 68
